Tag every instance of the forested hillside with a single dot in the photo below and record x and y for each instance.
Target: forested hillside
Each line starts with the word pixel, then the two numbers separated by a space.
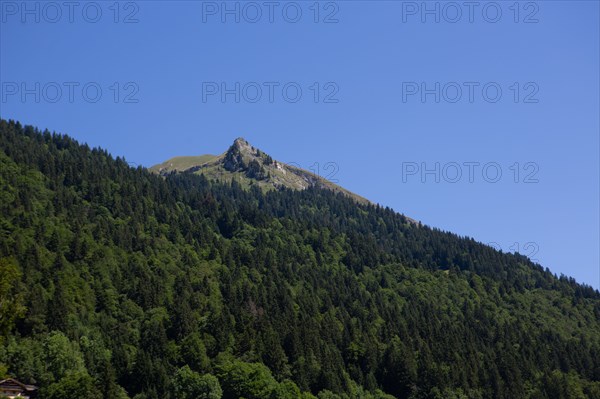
pixel 118 283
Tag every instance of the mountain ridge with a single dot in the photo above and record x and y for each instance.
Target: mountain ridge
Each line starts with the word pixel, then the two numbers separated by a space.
pixel 250 165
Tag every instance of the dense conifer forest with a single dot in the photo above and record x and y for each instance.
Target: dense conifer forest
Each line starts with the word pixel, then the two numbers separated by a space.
pixel 118 283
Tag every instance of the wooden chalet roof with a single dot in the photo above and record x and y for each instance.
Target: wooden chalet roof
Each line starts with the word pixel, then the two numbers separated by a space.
pixel 12 384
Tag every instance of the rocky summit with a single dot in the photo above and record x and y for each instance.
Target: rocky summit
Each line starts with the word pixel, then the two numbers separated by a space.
pixel 250 166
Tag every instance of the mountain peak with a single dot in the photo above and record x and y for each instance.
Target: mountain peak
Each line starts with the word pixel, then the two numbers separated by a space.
pixel 243 146
pixel 250 166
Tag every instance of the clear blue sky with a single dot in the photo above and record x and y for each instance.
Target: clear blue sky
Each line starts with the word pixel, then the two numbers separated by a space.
pixel 378 129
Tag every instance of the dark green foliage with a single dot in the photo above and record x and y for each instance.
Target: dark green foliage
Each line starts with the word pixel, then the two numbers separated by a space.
pixel 188 384
pixel 246 380
pixel 194 353
pixel 79 385
pixel 256 171
pixel 11 299
pixel 123 280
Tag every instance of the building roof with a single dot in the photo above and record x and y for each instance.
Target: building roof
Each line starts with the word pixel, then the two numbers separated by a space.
pixel 13 382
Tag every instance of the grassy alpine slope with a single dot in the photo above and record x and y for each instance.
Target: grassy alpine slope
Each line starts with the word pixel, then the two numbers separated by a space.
pixel 117 282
